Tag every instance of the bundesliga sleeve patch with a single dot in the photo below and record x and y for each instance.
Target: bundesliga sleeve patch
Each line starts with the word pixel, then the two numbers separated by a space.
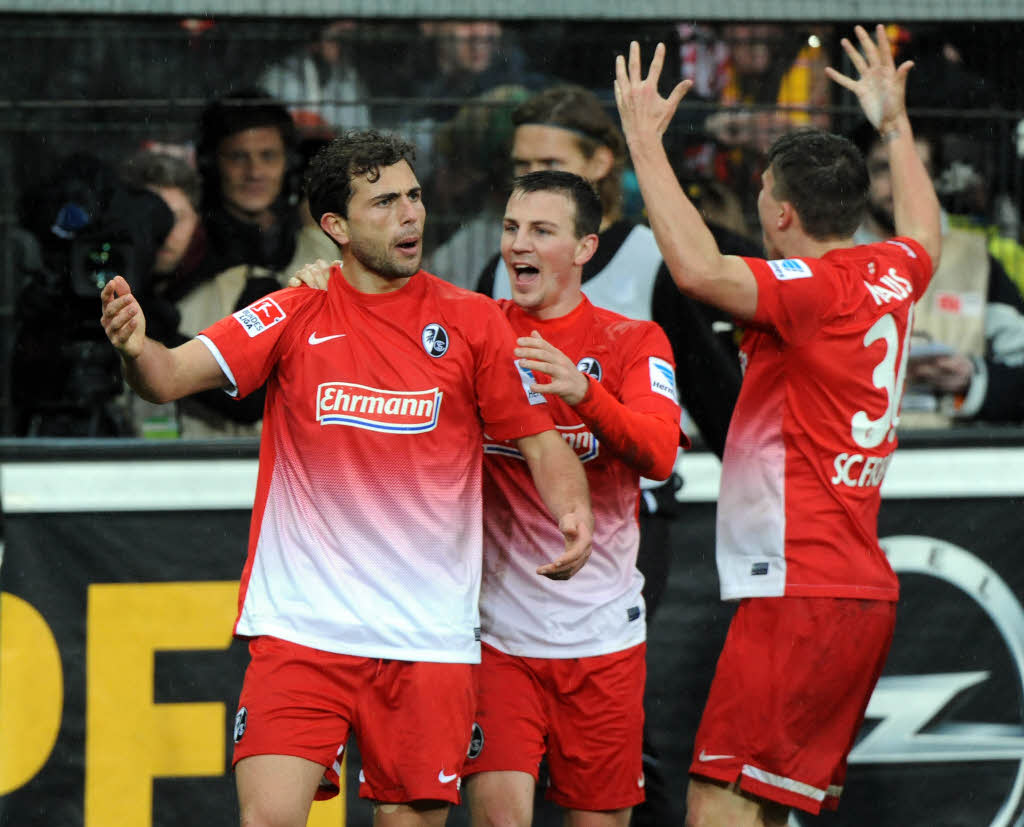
pixel 527 378
pixel 259 316
pixel 663 377
pixel 787 269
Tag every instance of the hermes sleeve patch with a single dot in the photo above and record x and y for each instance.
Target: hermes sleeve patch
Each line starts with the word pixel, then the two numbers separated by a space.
pixel 663 377
pixel 527 378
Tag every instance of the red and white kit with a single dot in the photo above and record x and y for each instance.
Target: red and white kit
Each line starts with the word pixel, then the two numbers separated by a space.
pixel 366 535
pixel 565 675
pixel 811 438
pixel 599 610
pixel 815 424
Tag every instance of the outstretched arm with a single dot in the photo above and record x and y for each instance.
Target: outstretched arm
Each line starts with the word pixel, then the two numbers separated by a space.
pixel 156 373
pixel 562 484
pixel 881 92
pixel 697 265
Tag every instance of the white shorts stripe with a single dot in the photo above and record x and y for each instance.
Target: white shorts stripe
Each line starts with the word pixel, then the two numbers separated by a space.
pixel 789 784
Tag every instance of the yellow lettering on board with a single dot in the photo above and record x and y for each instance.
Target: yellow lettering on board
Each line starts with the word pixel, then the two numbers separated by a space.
pixel 130 740
pixel 31 692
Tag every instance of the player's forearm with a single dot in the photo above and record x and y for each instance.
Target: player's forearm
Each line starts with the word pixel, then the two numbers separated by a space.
pixel 644 441
pixel 915 204
pixel 558 475
pixel 686 244
pixel 160 374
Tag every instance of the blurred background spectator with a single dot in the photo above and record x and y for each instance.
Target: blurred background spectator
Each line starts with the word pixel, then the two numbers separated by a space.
pixel 470 185
pixel 252 235
pixel 322 84
pixel 967 351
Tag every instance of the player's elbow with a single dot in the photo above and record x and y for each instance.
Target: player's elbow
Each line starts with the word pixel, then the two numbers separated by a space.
pixel 661 463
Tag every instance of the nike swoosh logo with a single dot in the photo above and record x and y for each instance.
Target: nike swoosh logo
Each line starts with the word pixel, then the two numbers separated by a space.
pixel 316 340
pixel 444 779
pixel 705 757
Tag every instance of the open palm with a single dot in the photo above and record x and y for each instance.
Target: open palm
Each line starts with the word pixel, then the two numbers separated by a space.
pixel 881 88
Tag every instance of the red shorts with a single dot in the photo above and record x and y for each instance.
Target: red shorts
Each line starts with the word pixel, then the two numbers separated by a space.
pixel 412 720
pixel 587 712
pixel 789 695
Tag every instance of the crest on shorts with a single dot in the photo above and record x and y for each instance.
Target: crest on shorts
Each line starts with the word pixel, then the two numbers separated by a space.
pixel 240 718
pixel 435 340
pixel 476 742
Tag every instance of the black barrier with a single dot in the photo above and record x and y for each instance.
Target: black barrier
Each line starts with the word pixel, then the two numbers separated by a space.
pixel 118 676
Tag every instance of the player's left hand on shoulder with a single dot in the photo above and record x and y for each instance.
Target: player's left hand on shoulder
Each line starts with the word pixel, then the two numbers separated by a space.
pixel 315 275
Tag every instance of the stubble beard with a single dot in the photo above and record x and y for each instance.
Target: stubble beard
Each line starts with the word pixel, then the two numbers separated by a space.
pixel 381 261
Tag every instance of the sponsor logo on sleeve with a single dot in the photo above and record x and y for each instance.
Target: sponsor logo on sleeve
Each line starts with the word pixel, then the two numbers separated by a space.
pixel 787 269
pixel 527 378
pixel 375 409
pixel 259 316
pixel 663 377
pixel 435 340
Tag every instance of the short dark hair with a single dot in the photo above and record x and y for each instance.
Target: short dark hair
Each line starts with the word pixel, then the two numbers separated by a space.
pixel 824 177
pixel 147 169
pixel 234 113
pixel 356 153
pixel 578 190
pixel 245 109
pixel 578 110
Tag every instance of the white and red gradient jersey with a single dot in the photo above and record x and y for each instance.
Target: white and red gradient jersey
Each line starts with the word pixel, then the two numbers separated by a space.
pixel 815 424
pixel 366 529
pixel 630 412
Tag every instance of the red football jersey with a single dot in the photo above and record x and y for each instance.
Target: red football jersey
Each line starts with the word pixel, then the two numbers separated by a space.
pixel 366 530
pixel 599 609
pixel 815 424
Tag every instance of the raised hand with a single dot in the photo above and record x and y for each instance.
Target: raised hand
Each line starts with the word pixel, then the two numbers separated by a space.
pixel 641 107
pixel 122 318
pixel 881 88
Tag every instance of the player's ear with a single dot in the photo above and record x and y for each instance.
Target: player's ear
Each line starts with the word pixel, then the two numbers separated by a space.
pixel 786 216
pixel 336 226
pixel 585 249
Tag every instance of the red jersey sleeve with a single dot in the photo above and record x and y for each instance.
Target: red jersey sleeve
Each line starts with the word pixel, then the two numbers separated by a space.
pixel 641 426
pixel 249 342
pixel 509 408
pixel 795 296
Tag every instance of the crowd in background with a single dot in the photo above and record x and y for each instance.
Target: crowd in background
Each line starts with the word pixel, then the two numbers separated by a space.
pixel 187 89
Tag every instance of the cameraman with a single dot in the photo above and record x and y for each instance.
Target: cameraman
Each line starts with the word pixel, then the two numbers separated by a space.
pixel 77 229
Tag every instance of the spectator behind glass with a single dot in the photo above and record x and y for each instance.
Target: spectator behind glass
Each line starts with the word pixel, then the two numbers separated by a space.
pixel 250 165
pixel 967 351
pixel 469 58
pixel 768 79
pixel 470 185
pixel 322 86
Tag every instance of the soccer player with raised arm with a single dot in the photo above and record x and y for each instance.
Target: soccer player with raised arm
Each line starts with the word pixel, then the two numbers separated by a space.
pixel 824 357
